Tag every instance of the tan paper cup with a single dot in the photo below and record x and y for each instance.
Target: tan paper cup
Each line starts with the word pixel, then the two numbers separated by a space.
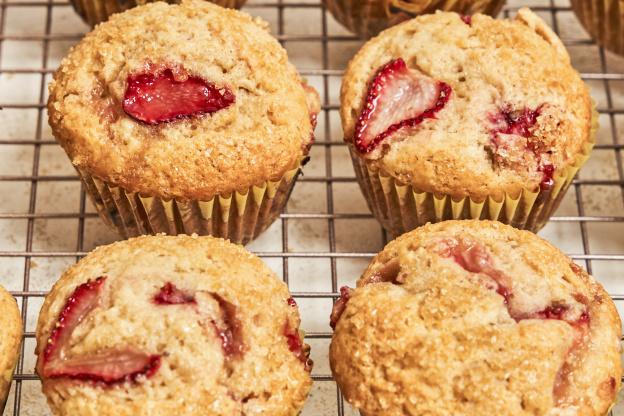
pixel 604 21
pixel 367 18
pixel 97 11
pixel 239 216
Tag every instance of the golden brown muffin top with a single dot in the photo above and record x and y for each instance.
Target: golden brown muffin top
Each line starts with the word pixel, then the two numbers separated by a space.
pixel 515 111
pixel 256 138
pixel 213 323
pixel 477 318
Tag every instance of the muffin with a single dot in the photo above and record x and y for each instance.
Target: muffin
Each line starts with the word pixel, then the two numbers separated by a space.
pixel 97 11
pixel 164 325
pixel 603 21
pixel 10 341
pixel 183 119
pixel 367 18
pixel 476 318
pixel 454 118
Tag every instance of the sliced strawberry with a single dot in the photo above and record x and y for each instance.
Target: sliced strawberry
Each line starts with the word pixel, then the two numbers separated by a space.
pixel 230 330
pixel 170 295
pixel 472 255
pixel 108 367
pixel 78 306
pixel 397 97
pixel 153 99
pixel 340 305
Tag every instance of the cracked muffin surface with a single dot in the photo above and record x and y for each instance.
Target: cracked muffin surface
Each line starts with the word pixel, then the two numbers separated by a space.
pixel 476 317
pixel 163 325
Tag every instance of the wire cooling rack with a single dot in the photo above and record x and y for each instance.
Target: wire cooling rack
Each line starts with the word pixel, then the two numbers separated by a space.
pixel 324 239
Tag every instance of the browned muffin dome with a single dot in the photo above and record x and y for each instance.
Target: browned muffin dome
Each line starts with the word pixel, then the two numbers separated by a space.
pixel 162 325
pixel 476 317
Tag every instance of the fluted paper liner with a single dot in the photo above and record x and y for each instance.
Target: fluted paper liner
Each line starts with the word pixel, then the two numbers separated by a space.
pixel 97 11
pixel 238 216
pixel 401 208
pixel 5 383
pixel 367 18
pixel 603 20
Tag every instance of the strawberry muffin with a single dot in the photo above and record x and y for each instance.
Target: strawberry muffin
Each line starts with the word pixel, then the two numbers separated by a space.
pixel 10 341
pixel 183 119
pixel 603 20
pixel 164 325
pixel 476 318
pixel 366 18
pixel 449 117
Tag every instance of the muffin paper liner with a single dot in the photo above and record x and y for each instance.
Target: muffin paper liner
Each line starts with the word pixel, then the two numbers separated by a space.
pixel 5 383
pixel 366 18
pixel 97 11
pixel 401 208
pixel 603 20
pixel 238 216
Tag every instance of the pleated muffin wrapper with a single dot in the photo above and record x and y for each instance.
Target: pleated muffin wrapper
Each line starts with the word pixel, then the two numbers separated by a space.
pixel 97 11
pixel 603 20
pixel 366 18
pixel 401 208
pixel 238 216
pixel 5 382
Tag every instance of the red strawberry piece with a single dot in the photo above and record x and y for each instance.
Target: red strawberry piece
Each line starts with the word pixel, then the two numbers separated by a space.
pixel 514 138
pixel 156 98
pixel 300 350
pixel 108 367
pixel 230 329
pixel 170 295
pixel 397 97
pixel 472 255
pixel 520 122
pixel 466 19
pixel 78 306
pixel 340 305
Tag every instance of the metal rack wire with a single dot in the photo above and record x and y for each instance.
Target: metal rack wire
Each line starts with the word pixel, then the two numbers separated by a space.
pixel 325 237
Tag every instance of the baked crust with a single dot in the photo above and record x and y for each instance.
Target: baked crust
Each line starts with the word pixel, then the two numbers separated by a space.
pixel 493 67
pixel 195 376
pixel 445 340
pixel 257 138
pixel 10 341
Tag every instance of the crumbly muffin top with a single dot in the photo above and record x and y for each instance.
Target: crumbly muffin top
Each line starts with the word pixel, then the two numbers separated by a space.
pixel 476 317
pixel 215 327
pixel 484 107
pixel 255 135
pixel 10 336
